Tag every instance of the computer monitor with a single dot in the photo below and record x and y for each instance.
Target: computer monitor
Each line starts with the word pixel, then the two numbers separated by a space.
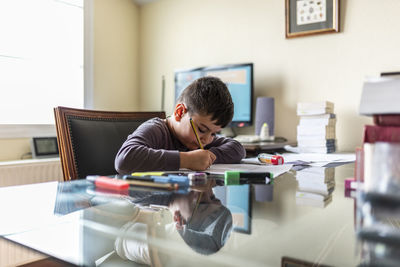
pixel 239 80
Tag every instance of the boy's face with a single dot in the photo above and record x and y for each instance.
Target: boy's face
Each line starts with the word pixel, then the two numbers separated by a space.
pixel 205 127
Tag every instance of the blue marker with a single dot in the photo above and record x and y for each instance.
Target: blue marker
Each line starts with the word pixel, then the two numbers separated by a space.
pixel 174 179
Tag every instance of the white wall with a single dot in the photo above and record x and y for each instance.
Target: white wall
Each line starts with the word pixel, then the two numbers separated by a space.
pixel 178 34
pixel 115 65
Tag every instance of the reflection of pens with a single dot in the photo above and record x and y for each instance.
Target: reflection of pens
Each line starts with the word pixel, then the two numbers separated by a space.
pixel 195 133
pixel 174 179
pixel 108 183
pixel 167 186
pixel 116 184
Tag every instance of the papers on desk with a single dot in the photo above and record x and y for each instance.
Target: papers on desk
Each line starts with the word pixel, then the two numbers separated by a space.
pixel 291 159
pixel 276 170
pixel 319 160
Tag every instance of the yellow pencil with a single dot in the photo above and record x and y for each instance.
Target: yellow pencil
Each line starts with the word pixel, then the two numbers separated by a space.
pixel 195 133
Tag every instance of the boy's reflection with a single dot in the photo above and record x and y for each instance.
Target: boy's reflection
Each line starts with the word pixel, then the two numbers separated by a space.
pixel 200 219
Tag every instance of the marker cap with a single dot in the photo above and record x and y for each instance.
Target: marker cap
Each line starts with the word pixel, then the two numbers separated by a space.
pixel 232 178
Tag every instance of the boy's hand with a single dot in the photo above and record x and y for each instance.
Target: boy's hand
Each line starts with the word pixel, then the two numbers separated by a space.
pixel 197 160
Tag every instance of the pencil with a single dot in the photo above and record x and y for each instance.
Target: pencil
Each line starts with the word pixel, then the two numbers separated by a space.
pixel 195 133
pixel 167 186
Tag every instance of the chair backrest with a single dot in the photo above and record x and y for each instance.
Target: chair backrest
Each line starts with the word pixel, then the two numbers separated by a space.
pixel 88 140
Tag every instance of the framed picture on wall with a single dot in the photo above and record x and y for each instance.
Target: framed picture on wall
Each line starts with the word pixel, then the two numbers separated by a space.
pixel 307 17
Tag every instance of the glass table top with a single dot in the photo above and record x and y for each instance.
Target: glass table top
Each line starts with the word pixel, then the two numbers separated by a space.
pixel 295 219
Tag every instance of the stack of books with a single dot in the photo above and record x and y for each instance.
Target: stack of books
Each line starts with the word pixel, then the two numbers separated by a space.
pixel 315 186
pixel 381 142
pixel 377 168
pixel 316 132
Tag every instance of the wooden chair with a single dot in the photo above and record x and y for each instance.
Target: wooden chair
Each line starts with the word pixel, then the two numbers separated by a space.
pixel 88 140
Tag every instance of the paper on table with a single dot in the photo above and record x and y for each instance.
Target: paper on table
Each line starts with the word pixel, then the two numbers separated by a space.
pixel 276 170
pixel 315 159
pixel 252 161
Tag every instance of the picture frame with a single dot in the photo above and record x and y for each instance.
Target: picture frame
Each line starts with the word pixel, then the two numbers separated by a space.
pixel 309 17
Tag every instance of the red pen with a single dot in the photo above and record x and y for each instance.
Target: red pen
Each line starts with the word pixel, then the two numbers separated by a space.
pixel 108 183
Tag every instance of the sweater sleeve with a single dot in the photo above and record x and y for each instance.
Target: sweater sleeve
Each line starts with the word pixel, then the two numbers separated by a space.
pixel 149 148
pixel 227 150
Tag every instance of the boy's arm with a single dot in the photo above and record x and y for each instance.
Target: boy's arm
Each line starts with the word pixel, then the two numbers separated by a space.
pixel 147 149
pixel 227 150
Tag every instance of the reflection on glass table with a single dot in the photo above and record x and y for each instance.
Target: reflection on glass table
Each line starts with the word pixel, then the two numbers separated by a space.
pixel 78 224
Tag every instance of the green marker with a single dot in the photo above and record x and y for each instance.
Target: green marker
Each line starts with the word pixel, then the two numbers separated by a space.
pixel 238 177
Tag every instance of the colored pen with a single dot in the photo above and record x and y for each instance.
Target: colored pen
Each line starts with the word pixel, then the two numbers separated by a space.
pixel 137 174
pixel 197 178
pixel 108 183
pixel 139 178
pixel 240 174
pixel 195 133
pixel 240 181
pixel 167 186
pixel 171 178
pixel 270 159
pixel 233 177
pixel 159 173
pixel 117 184
pixel 180 180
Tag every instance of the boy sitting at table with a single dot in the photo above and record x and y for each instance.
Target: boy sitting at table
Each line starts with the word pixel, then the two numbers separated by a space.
pixel 171 144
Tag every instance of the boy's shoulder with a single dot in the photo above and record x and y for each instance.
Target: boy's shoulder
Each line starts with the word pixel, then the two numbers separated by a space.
pixel 154 124
pixel 155 121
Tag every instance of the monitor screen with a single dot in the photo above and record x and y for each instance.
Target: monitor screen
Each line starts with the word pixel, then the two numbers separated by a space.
pixel 239 80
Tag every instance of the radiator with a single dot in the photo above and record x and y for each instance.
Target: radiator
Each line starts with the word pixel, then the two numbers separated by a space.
pixel 19 173
pixel 13 255
pixel 30 171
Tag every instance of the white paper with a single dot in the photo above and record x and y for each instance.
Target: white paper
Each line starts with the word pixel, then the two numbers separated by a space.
pixel 276 170
pixel 252 161
pixel 320 160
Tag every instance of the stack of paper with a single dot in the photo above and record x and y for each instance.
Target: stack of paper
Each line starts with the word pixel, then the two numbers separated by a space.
pixel 312 199
pixel 315 186
pixel 316 132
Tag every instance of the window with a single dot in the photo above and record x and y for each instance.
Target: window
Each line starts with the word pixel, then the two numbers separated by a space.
pixel 41 59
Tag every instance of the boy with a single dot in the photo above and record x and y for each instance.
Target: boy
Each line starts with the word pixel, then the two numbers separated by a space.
pixel 171 144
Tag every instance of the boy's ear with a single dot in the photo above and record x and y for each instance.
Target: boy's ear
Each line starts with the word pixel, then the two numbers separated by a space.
pixel 180 110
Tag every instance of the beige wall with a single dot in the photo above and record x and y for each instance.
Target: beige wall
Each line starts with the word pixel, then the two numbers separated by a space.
pixel 190 33
pixel 115 55
pixel 14 149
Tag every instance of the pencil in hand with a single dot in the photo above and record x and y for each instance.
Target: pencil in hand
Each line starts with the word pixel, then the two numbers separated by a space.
pixel 195 133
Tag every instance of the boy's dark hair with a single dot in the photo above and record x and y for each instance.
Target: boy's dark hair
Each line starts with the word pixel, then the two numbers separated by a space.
pixel 209 96
pixel 209 231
